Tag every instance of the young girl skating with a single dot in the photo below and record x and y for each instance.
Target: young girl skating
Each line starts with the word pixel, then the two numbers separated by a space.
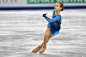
pixel 53 27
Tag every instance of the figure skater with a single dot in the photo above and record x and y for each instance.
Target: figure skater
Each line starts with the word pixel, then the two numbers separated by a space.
pixel 53 27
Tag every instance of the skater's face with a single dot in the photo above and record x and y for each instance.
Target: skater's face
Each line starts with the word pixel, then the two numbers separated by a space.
pixel 57 7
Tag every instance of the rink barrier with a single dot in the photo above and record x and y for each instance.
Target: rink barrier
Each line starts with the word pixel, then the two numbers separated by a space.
pixel 40 8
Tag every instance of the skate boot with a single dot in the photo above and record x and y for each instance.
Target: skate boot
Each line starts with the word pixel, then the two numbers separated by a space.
pixel 37 48
pixel 42 49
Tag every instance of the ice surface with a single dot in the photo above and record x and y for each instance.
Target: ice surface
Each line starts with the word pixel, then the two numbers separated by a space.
pixel 22 31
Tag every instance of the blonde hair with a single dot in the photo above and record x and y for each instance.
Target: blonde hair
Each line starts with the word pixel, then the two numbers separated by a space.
pixel 61 5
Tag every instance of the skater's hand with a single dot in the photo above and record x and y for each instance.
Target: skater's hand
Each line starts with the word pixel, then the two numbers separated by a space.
pixel 44 15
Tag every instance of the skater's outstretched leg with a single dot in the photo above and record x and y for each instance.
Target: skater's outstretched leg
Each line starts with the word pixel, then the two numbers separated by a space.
pixel 40 46
pixel 47 36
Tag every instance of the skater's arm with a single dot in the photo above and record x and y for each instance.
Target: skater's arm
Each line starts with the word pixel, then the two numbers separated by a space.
pixel 48 19
pixel 57 18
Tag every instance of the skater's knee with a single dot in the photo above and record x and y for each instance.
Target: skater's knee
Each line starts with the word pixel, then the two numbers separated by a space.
pixel 46 34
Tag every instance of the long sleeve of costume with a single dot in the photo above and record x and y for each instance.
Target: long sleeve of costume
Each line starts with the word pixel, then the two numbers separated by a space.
pixel 57 18
pixel 48 19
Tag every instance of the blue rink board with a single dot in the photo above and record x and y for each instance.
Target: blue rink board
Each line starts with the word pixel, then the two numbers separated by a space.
pixel 40 8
